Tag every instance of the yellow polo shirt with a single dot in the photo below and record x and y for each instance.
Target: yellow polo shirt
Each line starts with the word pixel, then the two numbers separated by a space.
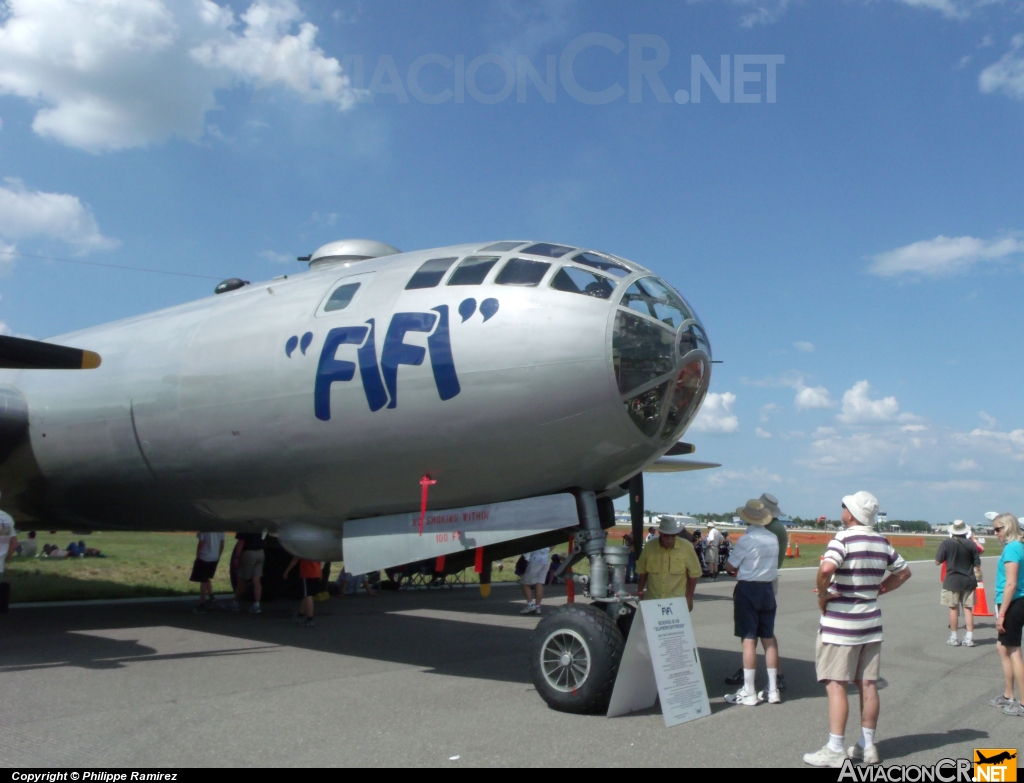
pixel 668 569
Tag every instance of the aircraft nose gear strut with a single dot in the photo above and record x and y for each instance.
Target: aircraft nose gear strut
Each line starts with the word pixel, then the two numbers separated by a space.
pixel 575 650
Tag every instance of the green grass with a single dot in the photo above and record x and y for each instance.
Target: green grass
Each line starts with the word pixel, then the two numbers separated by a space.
pixel 138 565
pixel 143 565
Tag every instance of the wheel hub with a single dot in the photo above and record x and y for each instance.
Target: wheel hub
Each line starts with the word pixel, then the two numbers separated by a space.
pixel 565 660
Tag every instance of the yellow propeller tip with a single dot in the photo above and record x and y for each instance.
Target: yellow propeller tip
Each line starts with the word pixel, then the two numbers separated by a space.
pixel 91 360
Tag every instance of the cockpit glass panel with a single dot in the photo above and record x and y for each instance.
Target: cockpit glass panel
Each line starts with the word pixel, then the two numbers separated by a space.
pixel 501 247
pixel 645 409
pixel 683 399
pixel 655 299
pixel 641 351
pixel 430 274
pixel 341 297
pixel 522 271
pixel 603 264
pixel 472 270
pixel 691 338
pixel 579 281
pixel 547 249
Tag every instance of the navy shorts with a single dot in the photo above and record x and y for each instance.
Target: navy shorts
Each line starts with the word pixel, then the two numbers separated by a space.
pixel 753 610
pixel 310 586
pixel 202 571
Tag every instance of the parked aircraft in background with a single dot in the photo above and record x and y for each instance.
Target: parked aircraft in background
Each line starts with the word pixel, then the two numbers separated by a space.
pixel 519 387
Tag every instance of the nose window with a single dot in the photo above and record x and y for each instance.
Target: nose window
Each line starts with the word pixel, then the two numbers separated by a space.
pixel 472 270
pixel 597 262
pixel 684 396
pixel 641 351
pixel 579 281
pixel 656 300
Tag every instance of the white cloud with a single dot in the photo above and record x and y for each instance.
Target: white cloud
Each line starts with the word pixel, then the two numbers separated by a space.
pixel 277 258
pixel 716 414
pixel 942 256
pixel 1007 74
pixel 762 433
pixel 804 346
pixel 964 465
pixel 768 410
pixel 31 213
pixel 988 421
pixel 752 478
pixel 948 8
pixel 812 397
pixel 859 408
pixel 112 74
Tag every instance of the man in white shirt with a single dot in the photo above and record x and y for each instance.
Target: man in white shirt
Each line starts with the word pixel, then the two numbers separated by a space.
pixel 754 562
pixel 712 541
pixel 208 552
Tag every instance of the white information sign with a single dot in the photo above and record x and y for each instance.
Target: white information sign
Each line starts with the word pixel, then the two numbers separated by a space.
pixel 661 659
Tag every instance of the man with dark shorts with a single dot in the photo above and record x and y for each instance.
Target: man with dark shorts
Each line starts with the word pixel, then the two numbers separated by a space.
pixel 208 552
pixel 250 568
pixel 754 563
pixel 310 574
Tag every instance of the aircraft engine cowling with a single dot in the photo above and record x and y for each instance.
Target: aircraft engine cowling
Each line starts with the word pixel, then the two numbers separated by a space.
pixel 311 542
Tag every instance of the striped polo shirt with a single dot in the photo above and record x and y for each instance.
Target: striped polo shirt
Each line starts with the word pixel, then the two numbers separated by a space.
pixel 863 559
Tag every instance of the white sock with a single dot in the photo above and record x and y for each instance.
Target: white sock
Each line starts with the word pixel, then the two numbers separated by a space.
pixel 867 737
pixel 773 676
pixel 835 742
pixel 748 680
pixel 952 634
pixel 969 635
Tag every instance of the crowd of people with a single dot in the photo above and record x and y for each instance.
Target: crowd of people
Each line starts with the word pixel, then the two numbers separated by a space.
pixel 858 565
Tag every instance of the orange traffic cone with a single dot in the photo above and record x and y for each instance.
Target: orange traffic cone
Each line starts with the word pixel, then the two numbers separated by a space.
pixel 981 602
pixel 797 553
pixel 789 550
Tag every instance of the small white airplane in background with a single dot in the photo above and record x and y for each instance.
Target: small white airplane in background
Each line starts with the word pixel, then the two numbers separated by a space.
pixel 470 402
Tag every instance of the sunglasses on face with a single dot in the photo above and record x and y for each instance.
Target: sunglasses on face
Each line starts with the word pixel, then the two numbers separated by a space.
pixel 998 529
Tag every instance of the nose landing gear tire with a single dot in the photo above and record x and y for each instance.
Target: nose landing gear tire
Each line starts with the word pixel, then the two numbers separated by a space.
pixel 574 658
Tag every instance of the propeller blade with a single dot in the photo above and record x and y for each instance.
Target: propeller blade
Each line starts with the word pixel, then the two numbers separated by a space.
pixel 20 354
pixel 636 511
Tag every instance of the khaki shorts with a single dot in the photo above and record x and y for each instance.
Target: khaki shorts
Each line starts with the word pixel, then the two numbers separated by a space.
pixel 955 598
pixel 250 566
pixel 847 663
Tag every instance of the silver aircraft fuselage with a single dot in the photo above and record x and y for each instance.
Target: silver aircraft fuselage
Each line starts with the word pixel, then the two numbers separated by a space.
pixel 305 401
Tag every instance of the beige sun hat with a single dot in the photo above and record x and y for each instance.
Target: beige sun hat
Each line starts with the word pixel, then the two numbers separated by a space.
pixel 772 504
pixel 670 526
pixel 754 513
pixel 711 523
pixel 959 528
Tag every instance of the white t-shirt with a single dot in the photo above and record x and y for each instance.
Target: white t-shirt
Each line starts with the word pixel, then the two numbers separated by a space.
pixel 756 555
pixel 6 534
pixel 210 551
pixel 714 537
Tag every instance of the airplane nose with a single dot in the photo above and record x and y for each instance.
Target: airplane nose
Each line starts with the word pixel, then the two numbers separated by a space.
pixel 662 359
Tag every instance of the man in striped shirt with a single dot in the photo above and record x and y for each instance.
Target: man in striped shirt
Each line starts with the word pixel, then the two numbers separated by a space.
pixel 858 565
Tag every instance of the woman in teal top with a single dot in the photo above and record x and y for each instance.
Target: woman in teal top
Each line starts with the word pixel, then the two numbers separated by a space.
pixel 1010 612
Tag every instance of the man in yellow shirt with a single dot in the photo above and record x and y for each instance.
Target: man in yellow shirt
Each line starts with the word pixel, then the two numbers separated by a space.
pixel 668 567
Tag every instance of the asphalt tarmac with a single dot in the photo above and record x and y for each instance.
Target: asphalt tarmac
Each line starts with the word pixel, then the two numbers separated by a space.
pixel 441 678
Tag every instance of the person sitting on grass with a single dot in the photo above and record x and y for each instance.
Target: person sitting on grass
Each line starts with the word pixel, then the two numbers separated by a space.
pixel 30 546
pixel 310 574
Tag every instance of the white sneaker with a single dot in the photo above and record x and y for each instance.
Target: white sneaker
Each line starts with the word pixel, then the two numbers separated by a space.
pixel 530 608
pixel 967 642
pixel 742 697
pixel 826 757
pixel 774 697
pixel 864 755
pixel 952 641
pixel 536 609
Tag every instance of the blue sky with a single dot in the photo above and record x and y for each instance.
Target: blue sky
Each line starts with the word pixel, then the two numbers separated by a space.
pixel 855 247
